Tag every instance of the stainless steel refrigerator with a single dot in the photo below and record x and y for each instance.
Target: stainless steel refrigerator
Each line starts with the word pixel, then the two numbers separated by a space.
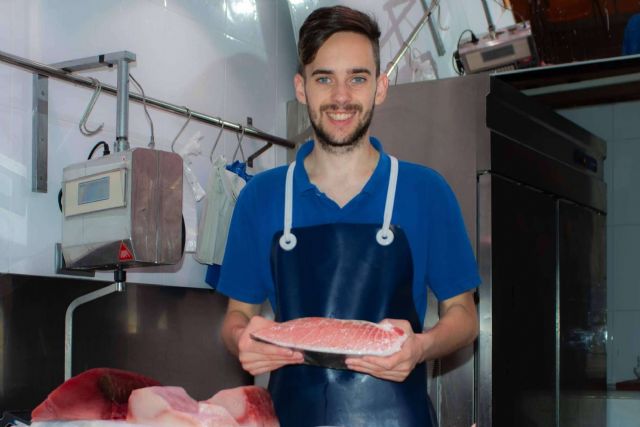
pixel 530 186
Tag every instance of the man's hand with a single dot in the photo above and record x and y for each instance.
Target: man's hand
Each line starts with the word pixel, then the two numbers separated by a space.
pixel 457 327
pixel 397 366
pixel 258 358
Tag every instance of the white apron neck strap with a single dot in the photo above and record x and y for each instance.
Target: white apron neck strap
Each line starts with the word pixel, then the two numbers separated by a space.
pixel 384 236
pixel 288 240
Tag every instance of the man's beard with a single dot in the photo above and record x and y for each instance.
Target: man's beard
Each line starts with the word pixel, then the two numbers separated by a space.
pixel 348 143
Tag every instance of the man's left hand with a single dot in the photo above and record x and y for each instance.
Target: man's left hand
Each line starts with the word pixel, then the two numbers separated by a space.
pixel 397 366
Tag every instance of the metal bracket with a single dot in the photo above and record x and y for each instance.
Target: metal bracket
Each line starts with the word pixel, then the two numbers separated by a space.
pixel 61 266
pixel 40 121
pixel 39 134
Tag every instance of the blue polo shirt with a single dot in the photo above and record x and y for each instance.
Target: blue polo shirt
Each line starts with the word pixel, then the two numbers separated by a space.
pixel 425 208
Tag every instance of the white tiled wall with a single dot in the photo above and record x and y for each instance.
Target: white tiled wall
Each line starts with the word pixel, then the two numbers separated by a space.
pixel 619 125
pixel 229 58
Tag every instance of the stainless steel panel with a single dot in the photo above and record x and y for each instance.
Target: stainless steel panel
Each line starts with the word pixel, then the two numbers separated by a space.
pixel 171 334
pixel 525 165
pixel 518 381
pixel 523 120
pixel 583 302
pixel 484 360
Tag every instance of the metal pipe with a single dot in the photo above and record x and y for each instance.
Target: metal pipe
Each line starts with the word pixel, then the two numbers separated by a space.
pixel 487 14
pixel 392 65
pixel 68 320
pixel 122 107
pixel 47 70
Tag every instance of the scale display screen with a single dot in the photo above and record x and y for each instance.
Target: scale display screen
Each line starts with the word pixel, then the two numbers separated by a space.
pixel 498 53
pixel 93 191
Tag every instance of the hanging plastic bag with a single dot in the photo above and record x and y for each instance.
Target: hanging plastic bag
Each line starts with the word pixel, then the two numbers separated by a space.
pixel 223 188
pixel 192 190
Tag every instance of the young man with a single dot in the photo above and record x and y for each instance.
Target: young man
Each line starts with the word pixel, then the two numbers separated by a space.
pixel 347 232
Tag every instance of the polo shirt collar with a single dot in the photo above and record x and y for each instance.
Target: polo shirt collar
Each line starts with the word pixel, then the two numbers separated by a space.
pixel 302 184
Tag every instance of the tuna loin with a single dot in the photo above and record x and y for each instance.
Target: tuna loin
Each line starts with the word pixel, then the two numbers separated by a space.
pixel 173 407
pixel 251 406
pixel 96 394
pixel 334 336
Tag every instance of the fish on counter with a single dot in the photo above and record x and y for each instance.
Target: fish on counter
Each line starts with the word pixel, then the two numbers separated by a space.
pixel 96 394
pixel 173 407
pixel 248 406
pixel 105 397
pixel 251 406
pixel 327 342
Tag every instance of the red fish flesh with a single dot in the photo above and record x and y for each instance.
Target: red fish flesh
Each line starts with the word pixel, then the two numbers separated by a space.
pixel 96 394
pixel 334 336
pixel 251 406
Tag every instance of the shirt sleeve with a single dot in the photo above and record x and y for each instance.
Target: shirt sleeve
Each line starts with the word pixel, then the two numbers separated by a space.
pixel 241 272
pixel 451 264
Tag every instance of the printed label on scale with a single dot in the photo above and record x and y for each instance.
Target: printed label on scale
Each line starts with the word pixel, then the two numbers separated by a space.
pixel 124 254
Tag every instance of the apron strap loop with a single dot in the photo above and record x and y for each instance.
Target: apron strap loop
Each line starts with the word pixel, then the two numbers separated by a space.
pixel 384 236
pixel 288 240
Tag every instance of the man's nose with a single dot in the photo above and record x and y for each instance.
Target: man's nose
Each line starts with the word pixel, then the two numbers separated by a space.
pixel 341 93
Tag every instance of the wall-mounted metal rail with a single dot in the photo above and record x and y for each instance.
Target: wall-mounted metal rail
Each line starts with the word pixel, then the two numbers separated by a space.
pixel 39 69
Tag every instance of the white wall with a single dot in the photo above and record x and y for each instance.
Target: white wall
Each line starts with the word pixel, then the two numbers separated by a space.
pixel 202 54
pixel 398 18
pixel 619 126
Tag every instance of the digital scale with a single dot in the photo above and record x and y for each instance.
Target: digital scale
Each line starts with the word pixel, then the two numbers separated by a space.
pixel 123 209
pixel 510 48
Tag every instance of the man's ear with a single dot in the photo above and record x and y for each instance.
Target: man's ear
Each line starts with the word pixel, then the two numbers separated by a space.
pixel 382 85
pixel 298 84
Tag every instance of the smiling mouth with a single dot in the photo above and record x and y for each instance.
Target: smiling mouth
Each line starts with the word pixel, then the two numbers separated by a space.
pixel 340 116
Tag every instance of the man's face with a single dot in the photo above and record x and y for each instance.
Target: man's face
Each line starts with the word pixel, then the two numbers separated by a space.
pixel 340 89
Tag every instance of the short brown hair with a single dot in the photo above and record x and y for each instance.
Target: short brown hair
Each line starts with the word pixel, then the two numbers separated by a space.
pixel 325 22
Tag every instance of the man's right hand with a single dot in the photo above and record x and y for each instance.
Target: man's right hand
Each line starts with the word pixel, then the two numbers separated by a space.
pixel 257 357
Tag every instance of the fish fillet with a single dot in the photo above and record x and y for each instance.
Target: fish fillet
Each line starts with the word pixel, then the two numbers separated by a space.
pixel 251 406
pixel 334 336
pixel 173 407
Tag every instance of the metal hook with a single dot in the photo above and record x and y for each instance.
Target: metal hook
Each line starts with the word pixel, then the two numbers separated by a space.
pixel 215 144
pixel 83 122
pixel 239 147
pixel 173 143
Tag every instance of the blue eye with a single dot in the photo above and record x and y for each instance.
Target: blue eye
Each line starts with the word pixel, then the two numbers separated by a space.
pixel 323 80
pixel 359 79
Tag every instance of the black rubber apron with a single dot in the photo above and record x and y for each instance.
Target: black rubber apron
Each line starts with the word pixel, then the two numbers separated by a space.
pixel 346 271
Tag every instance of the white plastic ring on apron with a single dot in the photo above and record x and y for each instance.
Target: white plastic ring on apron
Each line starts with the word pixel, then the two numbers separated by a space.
pixel 384 236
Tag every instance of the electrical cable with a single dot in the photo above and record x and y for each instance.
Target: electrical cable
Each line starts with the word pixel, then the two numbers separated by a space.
pixel 105 150
pixel 152 141
pixel 455 57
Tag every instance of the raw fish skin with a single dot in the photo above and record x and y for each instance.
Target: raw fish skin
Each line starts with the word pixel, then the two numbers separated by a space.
pixel 96 394
pixel 251 406
pixel 173 407
pixel 334 336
